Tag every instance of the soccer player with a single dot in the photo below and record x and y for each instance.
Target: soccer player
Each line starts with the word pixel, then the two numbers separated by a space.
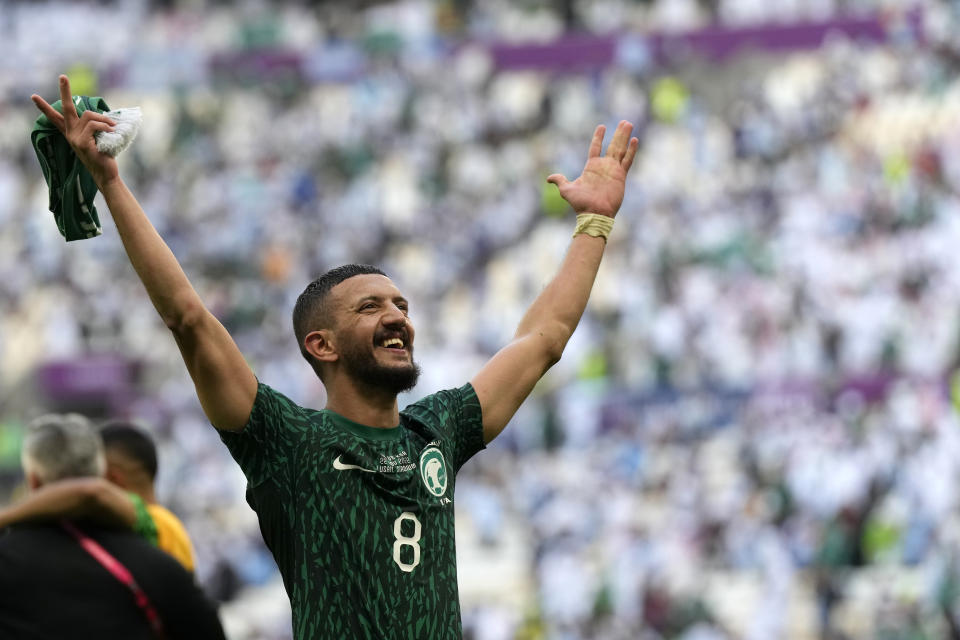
pixel 355 501
pixel 125 497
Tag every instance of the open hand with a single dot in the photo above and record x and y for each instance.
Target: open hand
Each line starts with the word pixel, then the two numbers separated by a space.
pixel 79 130
pixel 599 189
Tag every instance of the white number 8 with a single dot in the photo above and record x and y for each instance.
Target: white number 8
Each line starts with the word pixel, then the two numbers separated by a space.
pixel 406 541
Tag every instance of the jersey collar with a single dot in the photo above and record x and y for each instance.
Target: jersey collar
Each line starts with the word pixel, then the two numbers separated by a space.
pixel 362 430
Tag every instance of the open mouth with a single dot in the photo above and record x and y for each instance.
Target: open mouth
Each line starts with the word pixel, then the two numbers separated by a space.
pixel 394 344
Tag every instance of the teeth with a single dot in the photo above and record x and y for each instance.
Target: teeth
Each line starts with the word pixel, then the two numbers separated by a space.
pixel 393 342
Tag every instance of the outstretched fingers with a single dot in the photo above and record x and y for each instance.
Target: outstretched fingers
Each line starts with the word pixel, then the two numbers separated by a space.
pixel 66 101
pixel 558 179
pixel 54 116
pixel 67 119
pixel 621 140
pixel 597 142
pixel 627 161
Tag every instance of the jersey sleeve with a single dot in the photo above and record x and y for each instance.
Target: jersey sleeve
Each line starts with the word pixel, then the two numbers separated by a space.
pixel 172 536
pixel 455 415
pixel 268 442
pixel 144 526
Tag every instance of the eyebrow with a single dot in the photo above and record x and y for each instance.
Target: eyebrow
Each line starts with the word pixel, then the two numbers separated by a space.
pixel 376 298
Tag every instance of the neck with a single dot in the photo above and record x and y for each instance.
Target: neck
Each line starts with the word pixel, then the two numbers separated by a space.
pixel 142 489
pixel 370 407
pixel 134 481
pixel 145 492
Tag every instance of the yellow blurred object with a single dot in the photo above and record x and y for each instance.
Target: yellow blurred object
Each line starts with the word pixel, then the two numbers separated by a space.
pixel 593 366
pixel 896 168
pixel 83 80
pixel 172 536
pixel 669 99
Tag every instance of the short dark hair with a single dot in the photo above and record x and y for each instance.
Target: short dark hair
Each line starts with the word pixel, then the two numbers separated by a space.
pixel 132 442
pixel 310 312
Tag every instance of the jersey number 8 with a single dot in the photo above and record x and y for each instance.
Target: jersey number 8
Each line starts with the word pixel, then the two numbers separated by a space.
pixel 406 541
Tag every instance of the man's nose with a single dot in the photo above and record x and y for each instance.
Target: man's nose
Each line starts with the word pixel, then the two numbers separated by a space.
pixel 394 315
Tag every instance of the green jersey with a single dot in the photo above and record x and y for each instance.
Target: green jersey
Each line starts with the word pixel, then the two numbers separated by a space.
pixel 360 519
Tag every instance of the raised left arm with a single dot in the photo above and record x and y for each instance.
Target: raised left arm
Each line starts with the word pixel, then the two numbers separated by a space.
pixel 508 378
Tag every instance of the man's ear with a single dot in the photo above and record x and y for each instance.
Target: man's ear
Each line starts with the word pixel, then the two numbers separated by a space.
pixel 116 477
pixel 33 481
pixel 320 344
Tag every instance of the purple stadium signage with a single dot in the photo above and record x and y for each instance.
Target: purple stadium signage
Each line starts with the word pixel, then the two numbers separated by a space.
pixel 579 53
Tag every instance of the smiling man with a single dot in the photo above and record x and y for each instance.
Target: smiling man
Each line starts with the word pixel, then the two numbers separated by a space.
pixel 356 500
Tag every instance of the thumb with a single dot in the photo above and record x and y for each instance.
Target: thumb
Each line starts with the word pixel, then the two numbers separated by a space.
pixel 558 179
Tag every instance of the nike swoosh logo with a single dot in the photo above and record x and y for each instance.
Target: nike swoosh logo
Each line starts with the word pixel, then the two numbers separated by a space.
pixel 340 465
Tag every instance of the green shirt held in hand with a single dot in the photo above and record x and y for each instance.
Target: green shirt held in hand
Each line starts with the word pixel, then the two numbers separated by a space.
pixel 71 186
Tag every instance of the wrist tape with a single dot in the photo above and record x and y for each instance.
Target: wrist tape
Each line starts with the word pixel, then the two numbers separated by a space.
pixel 593 224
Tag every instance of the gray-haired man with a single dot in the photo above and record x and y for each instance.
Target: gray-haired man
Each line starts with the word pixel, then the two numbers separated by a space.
pixel 80 580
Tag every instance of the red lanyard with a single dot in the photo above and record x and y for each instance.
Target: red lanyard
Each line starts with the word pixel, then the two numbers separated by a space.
pixel 121 573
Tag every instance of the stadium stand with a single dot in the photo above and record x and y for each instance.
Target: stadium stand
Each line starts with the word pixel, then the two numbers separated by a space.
pixel 750 436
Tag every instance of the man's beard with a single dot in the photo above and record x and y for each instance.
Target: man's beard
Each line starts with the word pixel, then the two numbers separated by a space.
pixel 362 365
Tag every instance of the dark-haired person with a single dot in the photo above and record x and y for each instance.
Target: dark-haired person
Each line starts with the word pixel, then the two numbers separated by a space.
pixel 124 497
pixel 78 579
pixel 356 500
pixel 132 466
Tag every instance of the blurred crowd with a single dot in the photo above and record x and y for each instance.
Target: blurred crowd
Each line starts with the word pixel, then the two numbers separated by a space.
pixel 751 434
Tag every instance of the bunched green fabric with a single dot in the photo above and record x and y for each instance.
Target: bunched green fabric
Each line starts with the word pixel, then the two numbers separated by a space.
pixel 71 186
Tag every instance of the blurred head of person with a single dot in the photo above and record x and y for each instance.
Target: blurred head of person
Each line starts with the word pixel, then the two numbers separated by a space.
pixel 61 446
pixel 353 322
pixel 131 457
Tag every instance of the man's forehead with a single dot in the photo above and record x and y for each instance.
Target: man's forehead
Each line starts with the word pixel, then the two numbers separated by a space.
pixel 362 286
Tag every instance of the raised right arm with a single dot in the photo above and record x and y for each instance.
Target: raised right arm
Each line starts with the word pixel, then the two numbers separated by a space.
pixel 224 382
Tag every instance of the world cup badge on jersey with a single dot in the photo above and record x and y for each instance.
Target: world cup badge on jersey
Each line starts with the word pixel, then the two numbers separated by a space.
pixel 433 471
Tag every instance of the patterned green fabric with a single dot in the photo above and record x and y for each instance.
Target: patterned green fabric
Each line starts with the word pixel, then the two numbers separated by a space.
pixel 72 188
pixel 360 520
pixel 144 527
